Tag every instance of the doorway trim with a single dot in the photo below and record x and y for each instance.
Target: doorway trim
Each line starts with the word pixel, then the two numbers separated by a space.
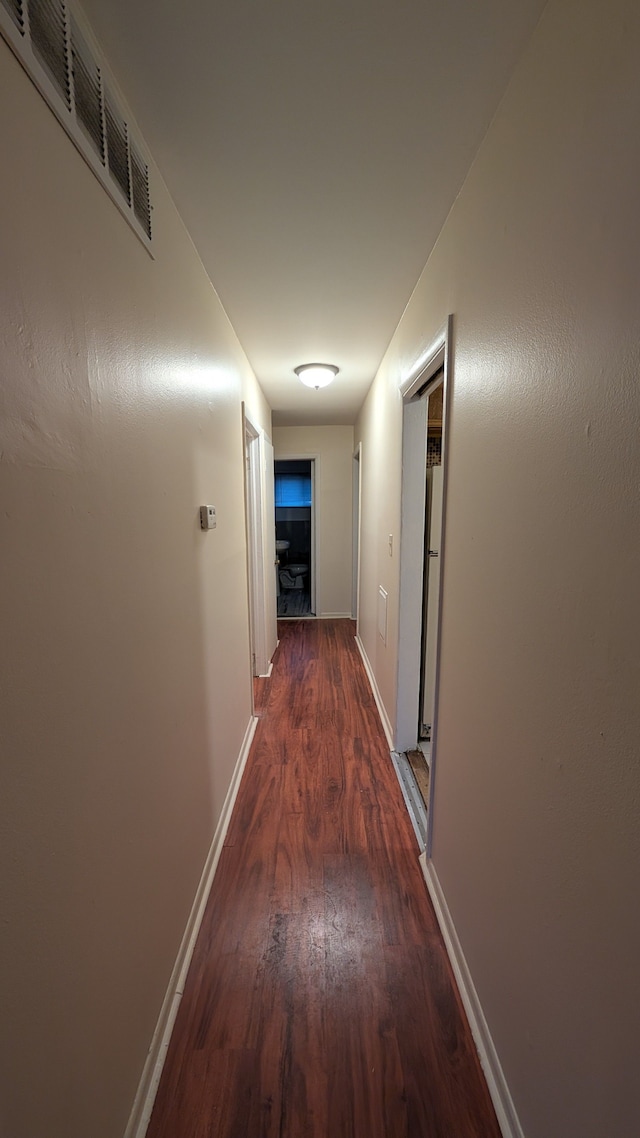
pixel 260 550
pixel 314 459
pixel 356 511
pixel 414 390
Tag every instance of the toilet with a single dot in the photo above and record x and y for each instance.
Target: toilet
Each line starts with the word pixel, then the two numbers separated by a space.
pixel 292 576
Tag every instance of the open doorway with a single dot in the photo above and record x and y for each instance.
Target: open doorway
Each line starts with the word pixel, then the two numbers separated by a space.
pixel 431 571
pixel 424 457
pixel 295 545
pixel 419 757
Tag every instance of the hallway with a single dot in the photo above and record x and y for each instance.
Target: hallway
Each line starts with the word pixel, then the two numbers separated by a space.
pixel 320 1000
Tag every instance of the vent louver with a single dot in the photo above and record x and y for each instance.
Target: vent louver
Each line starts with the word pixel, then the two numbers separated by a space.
pixel 46 36
pixel 140 182
pixel 15 9
pixel 117 145
pixel 87 90
pixel 47 25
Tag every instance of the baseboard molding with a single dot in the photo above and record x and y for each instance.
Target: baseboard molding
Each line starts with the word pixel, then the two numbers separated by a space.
pixel 267 675
pixel 386 722
pixel 500 1095
pixel 148 1086
pixel 335 616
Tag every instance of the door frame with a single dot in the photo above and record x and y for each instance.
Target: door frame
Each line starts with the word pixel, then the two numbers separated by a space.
pixel 260 550
pixel 414 389
pixel 314 459
pixel 431 599
pixel 356 511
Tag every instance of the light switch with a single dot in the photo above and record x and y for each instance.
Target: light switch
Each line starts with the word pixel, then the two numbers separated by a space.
pixel 207 517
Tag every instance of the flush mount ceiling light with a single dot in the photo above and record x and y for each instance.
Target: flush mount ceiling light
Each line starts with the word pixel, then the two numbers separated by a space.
pixel 316 375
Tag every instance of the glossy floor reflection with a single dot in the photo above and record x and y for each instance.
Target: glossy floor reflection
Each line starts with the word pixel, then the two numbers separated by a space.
pixel 294 602
pixel 320 1001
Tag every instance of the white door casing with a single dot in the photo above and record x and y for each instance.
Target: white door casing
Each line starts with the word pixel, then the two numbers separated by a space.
pixel 433 598
pixel 413 389
pixel 269 538
pixel 261 551
pixel 357 504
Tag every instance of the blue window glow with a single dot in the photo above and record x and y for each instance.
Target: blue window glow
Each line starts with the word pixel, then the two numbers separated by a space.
pixel 293 489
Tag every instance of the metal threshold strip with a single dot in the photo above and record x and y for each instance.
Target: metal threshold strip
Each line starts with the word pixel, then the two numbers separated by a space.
pixel 412 796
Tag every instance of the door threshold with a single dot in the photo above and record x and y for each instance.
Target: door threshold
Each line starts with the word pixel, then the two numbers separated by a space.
pixel 412 796
pixel 424 745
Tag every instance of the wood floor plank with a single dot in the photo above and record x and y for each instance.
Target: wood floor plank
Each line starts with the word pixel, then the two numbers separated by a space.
pixel 320 1000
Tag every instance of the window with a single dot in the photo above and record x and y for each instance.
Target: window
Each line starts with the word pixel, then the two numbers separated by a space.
pixel 293 489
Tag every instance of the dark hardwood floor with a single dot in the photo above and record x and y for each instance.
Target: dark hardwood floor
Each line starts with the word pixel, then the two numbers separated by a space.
pixel 320 1001
pixel 294 602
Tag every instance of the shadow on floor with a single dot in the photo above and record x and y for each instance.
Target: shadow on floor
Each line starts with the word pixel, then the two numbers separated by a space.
pixel 294 602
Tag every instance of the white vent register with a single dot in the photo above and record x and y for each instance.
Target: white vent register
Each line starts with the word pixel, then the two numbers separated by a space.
pixel 47 38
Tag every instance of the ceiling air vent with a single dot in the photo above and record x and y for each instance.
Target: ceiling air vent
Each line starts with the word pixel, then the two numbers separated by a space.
pixel 55 48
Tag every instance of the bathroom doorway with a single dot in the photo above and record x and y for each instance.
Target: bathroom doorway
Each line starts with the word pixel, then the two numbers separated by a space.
pixel 295 536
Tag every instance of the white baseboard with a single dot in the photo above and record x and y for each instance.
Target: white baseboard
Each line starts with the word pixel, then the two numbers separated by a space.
pixel 386 722
pixel 148 1086
pixel 335 616
pixel 500 1095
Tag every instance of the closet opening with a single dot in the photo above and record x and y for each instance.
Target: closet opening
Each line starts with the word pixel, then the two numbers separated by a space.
pixel 426 394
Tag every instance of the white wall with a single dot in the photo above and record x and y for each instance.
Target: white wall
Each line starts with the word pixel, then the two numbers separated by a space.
pixel 536 823
pixel 125 655
pixel 333 447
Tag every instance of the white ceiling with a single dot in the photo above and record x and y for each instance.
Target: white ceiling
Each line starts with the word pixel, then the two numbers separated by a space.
pixel 314 149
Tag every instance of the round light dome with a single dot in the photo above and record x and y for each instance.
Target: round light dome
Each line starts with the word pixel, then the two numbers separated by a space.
pixel 316 375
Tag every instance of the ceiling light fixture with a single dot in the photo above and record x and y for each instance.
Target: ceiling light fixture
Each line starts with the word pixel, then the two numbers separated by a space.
pixel 316 375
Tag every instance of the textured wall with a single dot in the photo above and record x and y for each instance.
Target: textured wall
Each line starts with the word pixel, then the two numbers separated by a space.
pixel 124 648
pixel 536 824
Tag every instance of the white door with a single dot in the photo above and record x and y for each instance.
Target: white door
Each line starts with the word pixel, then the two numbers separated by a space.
pixel 269 514
pixel 261 548
pixel 253 545
pixel 432 607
